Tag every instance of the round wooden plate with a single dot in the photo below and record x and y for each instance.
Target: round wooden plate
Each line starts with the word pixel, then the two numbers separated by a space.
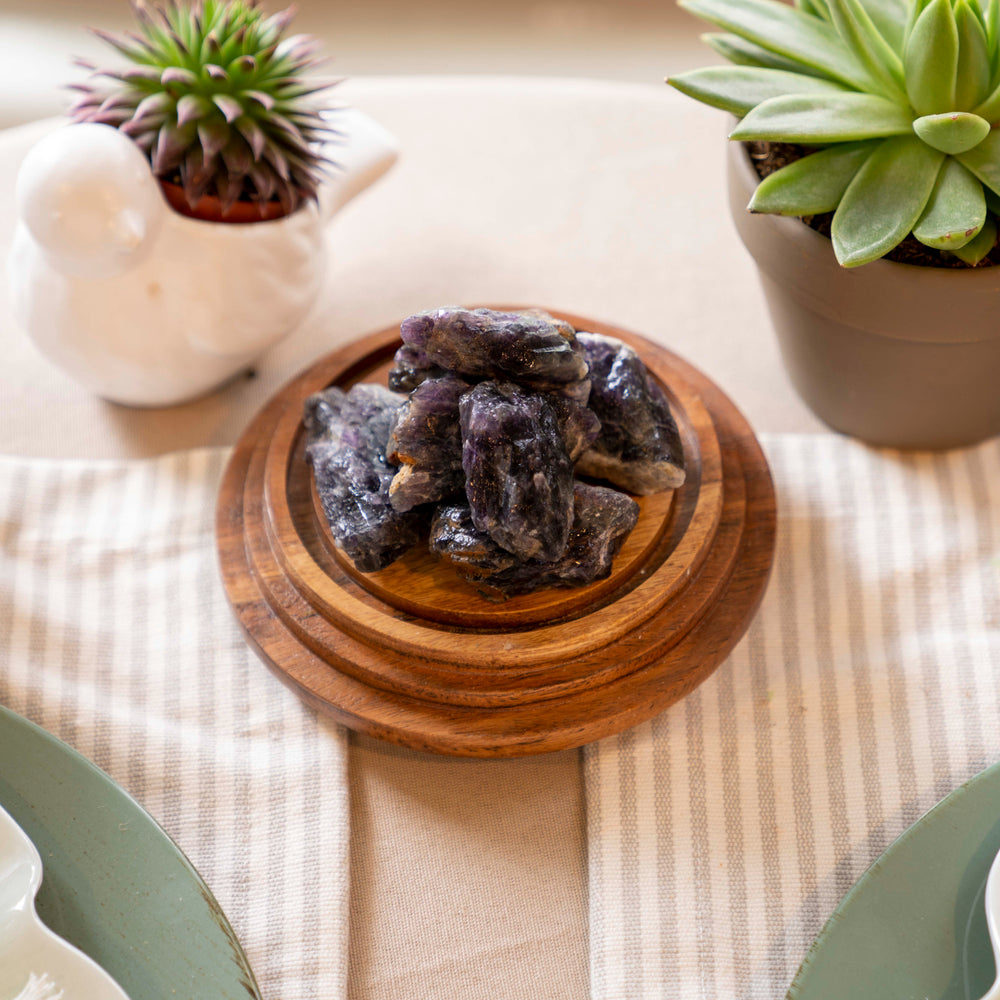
pixel 414 655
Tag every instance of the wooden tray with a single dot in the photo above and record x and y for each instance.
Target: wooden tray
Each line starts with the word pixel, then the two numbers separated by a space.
pixel 414 655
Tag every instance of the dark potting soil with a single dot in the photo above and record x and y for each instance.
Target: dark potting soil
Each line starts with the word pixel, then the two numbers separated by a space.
pixel 770 156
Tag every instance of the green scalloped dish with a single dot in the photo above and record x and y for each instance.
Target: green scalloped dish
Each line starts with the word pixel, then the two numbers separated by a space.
pixel 914 925
pixel 114 883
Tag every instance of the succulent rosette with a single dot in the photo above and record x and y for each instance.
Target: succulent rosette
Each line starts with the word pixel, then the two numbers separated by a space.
pixel 217 97
pixel 896 102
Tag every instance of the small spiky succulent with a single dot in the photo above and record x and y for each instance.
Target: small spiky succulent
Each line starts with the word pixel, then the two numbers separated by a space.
pixel 215 95
pixel 896 101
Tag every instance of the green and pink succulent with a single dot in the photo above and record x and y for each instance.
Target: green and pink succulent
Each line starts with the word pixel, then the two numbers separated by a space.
pixel 217 97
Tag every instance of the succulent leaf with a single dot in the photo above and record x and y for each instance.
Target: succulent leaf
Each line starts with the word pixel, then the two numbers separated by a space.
pixel 979 246
pixel 984 161
pixel 740 52
pixel 833 118
pixel 880 62
pixel 990 9
pixel 818 8
pixel 814 184
pixel 192 108
pixel 955 211
pixel 740 88
pixel 931 59
pixel 956 132
pixel 902 97
pixel 972 82
pixel 786 31
pixel 884 200
pixel 217 96
pixel 889 16
pixel 990 107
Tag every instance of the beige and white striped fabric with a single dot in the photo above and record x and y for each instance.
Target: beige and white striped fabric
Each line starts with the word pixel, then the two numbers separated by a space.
pixel 115 635
pixel 723 833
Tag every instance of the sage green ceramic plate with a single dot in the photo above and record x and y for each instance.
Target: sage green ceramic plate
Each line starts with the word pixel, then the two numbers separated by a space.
pixel 914 927
pixel 114 884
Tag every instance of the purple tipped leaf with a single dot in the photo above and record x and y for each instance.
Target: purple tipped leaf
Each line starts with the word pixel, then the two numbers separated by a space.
pixel 263 99
pixel 171 145
pixel 229 106
pixel 155 104
pixel 178 75
pixel 237 156
pixel 230 189
pixel 253 134
pixel 192 108
pixel 213 136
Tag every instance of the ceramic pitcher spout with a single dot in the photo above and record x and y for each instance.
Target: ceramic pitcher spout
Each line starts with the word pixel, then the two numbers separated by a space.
pixel 361 152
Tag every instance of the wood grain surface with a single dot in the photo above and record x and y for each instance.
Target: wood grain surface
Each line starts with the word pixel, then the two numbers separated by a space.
pixel 412 654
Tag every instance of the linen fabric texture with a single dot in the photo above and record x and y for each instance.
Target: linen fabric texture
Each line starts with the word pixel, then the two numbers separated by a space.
pixel 723 833
pixel 116 636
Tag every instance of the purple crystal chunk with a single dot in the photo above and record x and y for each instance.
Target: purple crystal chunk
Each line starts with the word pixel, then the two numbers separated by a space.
pixel 410 366
pixel 578 425
pixel 426 443
pixel 639 447
pixel 347 434
pixel 519 477
pixel 602 520
pixel 530 347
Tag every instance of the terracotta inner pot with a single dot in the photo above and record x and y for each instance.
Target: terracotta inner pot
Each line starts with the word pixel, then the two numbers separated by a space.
pixel 209 208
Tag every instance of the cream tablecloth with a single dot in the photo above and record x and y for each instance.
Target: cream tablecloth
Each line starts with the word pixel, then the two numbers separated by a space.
pixel 467 878
pixel 723 833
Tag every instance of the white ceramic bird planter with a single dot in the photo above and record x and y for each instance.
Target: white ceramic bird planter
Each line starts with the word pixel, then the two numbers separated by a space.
pixel 147 307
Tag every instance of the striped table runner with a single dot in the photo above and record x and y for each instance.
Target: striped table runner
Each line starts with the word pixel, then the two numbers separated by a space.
pixel 115 635
pixel 723 833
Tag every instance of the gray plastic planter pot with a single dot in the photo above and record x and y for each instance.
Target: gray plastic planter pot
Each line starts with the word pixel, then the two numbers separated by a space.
pixel 893 354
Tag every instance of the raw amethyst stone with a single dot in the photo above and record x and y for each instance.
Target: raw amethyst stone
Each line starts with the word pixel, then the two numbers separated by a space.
pixel 530 347
pixel 638 448
pixel 426 443
pixel 519 477
pixel 347 434
pixel 578 425
pixel 458 541
pixel 410 366
pixel 602 520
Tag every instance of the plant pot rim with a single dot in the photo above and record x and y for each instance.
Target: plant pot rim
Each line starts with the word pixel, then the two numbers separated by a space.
pixel 868 297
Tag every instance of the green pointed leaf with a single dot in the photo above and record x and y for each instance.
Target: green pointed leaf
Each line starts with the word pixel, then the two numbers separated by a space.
pixel 889 16
pixel 931 58
pixel 979 246
pixel 955 211
pixel 972 81
pixel 990 11
pixel 917 7
pixel 954 132
pixel 823 119
pixel 992 200
pixel 984 161
pixel 818 8
pixel 740 52
pixel 814 184
pixel 990 107
pixel 786 31
pixel 740 88
pixel 885 200
pixel 880 62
